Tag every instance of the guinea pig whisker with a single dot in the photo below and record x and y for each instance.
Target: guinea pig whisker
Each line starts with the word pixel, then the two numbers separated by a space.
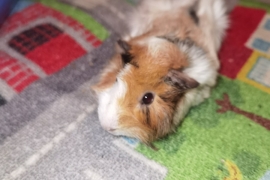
pixel 152 146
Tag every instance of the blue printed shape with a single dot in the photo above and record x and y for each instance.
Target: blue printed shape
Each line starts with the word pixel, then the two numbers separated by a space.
pixel 266 176
pixel 131 141
pixel 267 25
pixel 22 4
pixel 261 45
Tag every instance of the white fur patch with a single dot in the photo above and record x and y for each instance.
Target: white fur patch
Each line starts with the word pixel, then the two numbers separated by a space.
pixel 200 67
pixel 155 46
pixel 108 109
pixel 215 21
pixel 141 22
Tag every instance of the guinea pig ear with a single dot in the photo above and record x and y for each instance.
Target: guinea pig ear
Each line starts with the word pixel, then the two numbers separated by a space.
pixel 180 80
pixel 124 48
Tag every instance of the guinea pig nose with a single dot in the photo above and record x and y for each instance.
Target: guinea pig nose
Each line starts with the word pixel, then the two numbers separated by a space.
pixel 111 129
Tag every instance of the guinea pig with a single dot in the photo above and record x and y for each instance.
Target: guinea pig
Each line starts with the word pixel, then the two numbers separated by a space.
pixel 165 65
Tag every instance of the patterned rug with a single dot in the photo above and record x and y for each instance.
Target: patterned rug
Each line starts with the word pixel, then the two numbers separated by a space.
pixel 50 54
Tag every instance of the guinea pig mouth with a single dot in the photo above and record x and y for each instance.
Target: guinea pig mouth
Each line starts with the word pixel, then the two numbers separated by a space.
pixel 111 130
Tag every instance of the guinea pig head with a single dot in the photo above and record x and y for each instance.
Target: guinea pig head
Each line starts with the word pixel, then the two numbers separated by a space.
pixel 141 87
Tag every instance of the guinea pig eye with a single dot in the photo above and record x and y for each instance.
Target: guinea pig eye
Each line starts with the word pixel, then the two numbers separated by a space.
pixel 147 98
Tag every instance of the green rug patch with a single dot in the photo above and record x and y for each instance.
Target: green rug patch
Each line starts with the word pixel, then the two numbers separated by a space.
pixel 224 144
pixel 255 4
